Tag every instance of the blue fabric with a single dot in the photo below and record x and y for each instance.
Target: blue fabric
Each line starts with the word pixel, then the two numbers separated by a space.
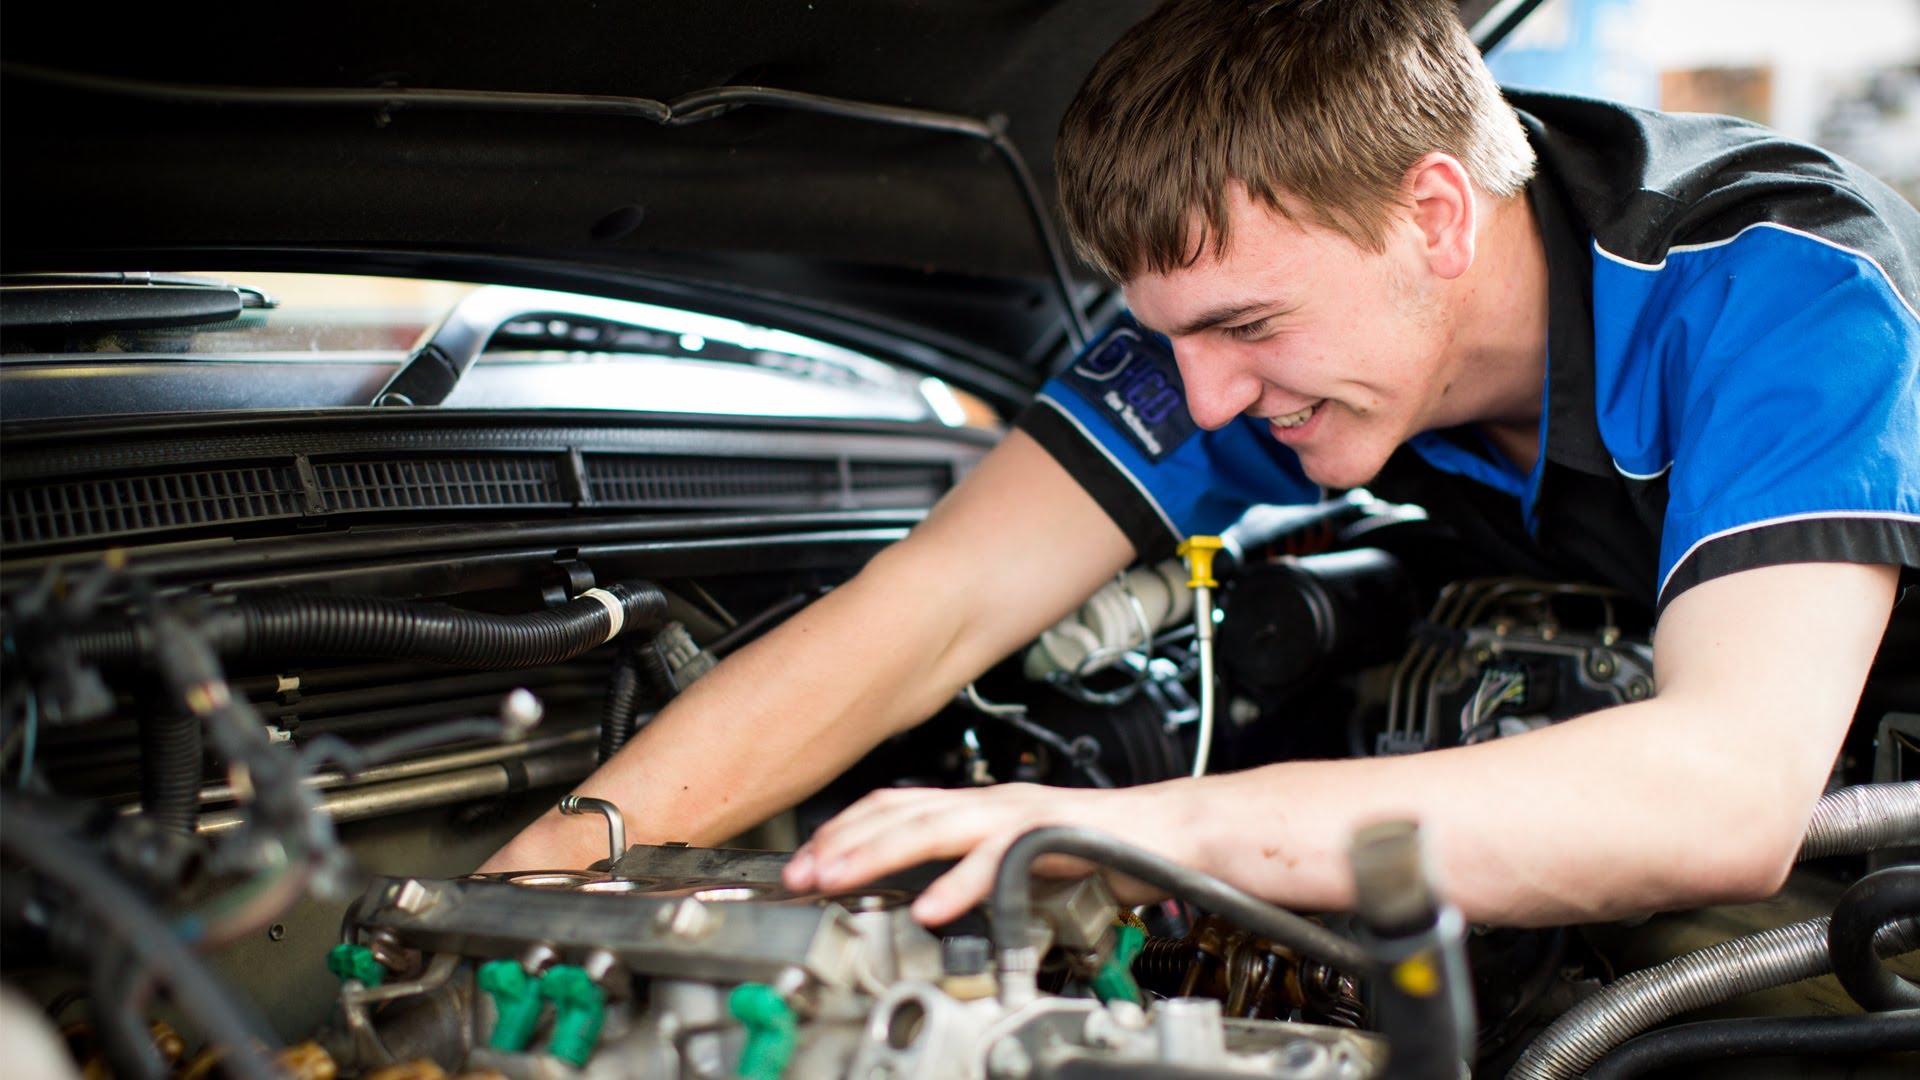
pixel 1702 361
pixel 1125 393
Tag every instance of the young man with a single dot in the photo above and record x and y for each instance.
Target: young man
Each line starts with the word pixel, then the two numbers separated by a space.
pixel 1674 354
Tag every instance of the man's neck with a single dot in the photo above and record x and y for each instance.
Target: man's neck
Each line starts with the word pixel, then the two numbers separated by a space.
pixel 1502 331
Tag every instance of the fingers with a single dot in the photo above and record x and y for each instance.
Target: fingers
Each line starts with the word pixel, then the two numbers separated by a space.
pixel 892 830
pixel 955 892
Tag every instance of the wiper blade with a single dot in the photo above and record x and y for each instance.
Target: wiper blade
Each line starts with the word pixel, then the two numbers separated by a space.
pixel 123 300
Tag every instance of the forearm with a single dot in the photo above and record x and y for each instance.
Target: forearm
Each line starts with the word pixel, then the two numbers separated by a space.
pixel 1010 551
pixel 1620 812
pixel 773 724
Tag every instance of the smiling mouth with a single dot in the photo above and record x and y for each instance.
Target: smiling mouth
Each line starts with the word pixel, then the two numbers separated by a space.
pixel 1295 419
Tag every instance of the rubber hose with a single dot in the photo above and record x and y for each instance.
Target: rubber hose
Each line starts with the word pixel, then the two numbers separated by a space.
pixel 121 912
pixel 119 1016
pixel 270 627
pixel 1761 1036
pixel 1856 820
pixel 170 770
pixel 622 705
pixel 1714 975
pixel 656 677
pixel 1012 895
pixel 1873 902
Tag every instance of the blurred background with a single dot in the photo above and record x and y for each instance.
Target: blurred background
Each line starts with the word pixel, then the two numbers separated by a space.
pixel 1844 74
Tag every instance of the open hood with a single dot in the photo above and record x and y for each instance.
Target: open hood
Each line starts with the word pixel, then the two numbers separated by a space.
pixel 542 152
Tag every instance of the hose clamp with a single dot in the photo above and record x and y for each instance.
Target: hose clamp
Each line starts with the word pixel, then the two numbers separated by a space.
pixel 616 611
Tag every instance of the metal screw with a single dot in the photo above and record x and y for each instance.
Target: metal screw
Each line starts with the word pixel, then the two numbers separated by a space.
pixel 520 712
pixel 598 963
pixel 1638 688
pixel 538 957
pixel 412 897
pixel 689 919
pixel 1303 1056
pixel 1601 664
pixel 1008 1060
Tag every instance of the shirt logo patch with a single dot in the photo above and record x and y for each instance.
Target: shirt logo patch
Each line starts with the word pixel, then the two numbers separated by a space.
pixel 1133 379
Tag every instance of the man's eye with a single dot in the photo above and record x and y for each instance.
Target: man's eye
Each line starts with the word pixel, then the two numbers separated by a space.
pixel 1245 331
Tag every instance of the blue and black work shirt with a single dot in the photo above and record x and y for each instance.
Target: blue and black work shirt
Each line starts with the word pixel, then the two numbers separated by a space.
pixel 1733 375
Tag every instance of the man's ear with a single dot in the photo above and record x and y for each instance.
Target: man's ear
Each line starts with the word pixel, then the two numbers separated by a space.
pixel 1444 211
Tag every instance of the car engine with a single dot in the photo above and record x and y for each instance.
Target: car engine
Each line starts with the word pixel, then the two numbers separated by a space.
pixel 271 692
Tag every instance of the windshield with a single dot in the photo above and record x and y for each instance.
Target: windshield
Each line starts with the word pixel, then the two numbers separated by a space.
pixel 339 339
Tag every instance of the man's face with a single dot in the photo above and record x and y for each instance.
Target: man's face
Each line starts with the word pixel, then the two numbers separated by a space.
pixel 1342 351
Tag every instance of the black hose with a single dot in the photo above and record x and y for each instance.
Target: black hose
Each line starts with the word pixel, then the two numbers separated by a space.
pixel 621 707
pixel 1012 895
pixel 1761 1036
pixel 119 911
pixel 657 683
pixel 1873 902
pixel 270 627
pixel 170 769
pixel 119 1016
pixel 641 681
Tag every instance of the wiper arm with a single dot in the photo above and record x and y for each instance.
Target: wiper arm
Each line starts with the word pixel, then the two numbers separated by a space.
pixel 122 300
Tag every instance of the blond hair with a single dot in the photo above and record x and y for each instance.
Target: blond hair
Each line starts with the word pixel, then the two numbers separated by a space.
pixel 1318 107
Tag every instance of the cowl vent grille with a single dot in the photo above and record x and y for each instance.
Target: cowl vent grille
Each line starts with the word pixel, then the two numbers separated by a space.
pixel 498 482
pixel 46 504
pixel 128 505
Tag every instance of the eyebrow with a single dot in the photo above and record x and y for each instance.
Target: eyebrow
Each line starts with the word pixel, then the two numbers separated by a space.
pixel 1212 318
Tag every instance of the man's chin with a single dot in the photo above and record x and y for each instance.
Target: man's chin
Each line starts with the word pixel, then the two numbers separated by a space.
pixel 1341 475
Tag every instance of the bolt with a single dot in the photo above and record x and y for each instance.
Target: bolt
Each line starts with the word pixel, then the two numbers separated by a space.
pixel 538 957
pixel 520 712
pixel 689 920
pixel 1008 1060
pixel 1602 665
pixel 1638 689
pixel 1302 1056
pixel 598 963
pixel 412 897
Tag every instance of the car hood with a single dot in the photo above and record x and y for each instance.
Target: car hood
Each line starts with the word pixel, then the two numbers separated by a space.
pixel 925 226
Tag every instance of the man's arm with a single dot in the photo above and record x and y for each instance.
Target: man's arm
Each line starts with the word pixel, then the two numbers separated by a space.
pixel 1699 794
pixel 1008 552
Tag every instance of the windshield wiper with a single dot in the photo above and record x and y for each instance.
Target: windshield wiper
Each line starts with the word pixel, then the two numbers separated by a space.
pixel 122 300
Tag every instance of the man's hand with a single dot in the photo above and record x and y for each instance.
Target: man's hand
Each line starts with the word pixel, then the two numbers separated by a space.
pixel 1699 795
pixel 1009 551
pixel 897 828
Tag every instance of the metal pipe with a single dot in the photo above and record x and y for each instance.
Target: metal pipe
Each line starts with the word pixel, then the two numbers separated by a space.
pixel 407 770
pixel 1633 1003
pixel 616 822
pixel 442 789
pixel 1856 820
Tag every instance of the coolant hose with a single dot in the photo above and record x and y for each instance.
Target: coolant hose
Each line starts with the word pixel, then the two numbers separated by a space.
pixel 1856 820
pixel 1011 903
pixel 270 627
pixel 641 679
pixel 170 770
pixel 1761 1036
pixel 621 707
pixel 1874 902
pixel 1714 975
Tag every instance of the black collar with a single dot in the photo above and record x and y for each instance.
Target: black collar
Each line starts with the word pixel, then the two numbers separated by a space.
pixel 1573 429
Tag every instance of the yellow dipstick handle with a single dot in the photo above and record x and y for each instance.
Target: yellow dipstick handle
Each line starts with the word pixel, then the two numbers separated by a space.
pixel 1199 552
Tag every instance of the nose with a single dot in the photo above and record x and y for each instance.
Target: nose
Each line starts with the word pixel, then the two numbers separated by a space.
pixel 1218 389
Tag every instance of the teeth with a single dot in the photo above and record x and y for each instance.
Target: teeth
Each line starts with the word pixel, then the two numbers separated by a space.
pixel 1294 419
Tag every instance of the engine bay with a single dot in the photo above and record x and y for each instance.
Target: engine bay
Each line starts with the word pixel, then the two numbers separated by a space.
pixel 253 764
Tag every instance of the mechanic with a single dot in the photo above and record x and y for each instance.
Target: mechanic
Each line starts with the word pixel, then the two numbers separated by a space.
pixel 1675 354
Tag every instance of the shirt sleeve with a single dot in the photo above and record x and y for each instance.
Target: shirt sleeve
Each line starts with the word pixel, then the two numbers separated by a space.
pixel 1783 402
pixel 1116 419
